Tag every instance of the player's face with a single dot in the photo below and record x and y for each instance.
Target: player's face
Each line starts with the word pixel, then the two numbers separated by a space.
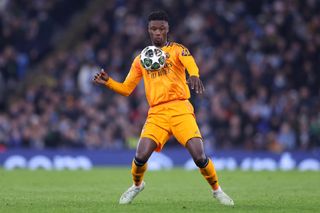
pixel 158 31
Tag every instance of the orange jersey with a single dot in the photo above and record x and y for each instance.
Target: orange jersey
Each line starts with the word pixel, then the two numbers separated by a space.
pixel 164 85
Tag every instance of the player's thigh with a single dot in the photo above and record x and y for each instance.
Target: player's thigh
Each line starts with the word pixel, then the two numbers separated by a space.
pixel 145 148
pixel 184 127
pixel 157 133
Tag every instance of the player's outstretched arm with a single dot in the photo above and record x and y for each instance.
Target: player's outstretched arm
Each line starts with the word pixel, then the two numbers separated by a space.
pixel 124 88
pixel 196 84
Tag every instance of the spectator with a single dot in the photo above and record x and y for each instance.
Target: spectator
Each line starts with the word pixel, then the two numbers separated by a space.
pixel 258 62
pixel 286 137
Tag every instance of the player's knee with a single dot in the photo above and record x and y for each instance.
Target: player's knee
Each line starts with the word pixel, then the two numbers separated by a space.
pixel 201 162
pixel 142 155
pixel 140 161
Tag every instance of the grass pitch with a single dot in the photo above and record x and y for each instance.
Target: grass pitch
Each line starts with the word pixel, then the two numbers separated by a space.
pixel 173 191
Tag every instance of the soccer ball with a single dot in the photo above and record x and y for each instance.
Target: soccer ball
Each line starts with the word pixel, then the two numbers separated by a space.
pixel 152 58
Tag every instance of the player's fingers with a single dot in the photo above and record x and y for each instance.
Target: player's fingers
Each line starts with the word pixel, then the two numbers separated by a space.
pixel 102 72
pixel 191 83
pixel 96 76
pixel 95 79
pixel 197 86
pixel 201 87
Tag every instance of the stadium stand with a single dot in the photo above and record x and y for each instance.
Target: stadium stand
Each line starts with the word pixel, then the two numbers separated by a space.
pixel 259 61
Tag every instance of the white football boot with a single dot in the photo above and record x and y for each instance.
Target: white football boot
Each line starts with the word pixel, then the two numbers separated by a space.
pixel 128 196
pixel 222 197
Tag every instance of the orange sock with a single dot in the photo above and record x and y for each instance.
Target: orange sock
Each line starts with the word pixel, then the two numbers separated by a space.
pixel 138 173
pixel 209 173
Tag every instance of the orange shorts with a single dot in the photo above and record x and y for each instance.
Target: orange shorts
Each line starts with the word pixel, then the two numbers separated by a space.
pixel 173 118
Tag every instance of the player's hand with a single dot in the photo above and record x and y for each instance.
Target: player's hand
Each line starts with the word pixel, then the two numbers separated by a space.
pixel 196 84
pixel 101 78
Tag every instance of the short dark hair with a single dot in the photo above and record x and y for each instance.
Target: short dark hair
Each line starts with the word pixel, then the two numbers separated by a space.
pixel 158 15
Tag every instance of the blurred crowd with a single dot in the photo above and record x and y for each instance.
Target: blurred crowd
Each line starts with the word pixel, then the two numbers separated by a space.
pixel 259 61
pixel 26 31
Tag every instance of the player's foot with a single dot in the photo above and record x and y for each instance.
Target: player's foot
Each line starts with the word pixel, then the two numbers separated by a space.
pixel 222 197
pixel 128 196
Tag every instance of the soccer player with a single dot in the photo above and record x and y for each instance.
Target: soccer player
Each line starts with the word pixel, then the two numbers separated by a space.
pixel 170 111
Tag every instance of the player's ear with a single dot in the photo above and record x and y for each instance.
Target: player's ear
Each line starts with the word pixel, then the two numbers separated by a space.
pixel 148 27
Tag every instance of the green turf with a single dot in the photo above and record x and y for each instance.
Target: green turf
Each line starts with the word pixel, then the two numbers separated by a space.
pixel 173 191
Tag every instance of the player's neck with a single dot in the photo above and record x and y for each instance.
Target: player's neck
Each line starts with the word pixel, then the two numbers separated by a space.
pixel 161 45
